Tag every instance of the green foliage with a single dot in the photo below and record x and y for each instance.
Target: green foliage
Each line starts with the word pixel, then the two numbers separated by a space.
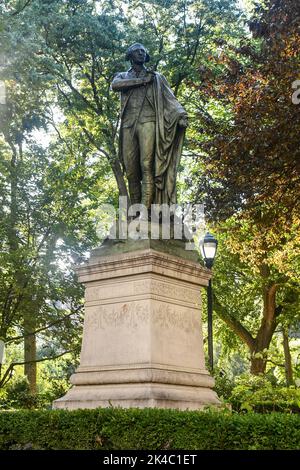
pixel 18 395
pixel 54 379
pixel 45 227
pixel 246 171
pixel 224 384
pixel 244 272
pixel 114 429
pixel 52 383
pixel 60 60
pixel 61 57
pixel 258 393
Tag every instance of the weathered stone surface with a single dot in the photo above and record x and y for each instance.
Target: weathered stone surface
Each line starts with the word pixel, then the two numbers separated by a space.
pixel 142 342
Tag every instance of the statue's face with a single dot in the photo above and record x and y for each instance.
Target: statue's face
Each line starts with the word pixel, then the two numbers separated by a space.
pixel 138 55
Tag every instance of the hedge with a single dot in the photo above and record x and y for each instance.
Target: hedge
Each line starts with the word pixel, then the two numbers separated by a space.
pixel 149 429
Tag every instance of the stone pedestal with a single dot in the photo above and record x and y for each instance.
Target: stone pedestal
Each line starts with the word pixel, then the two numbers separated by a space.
pixel 142 339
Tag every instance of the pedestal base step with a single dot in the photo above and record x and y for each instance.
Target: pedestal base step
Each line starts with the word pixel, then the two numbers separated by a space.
pixel 144 395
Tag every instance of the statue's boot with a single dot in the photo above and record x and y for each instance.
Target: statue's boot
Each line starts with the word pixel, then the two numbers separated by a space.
pixel 135 192
pixel 148 194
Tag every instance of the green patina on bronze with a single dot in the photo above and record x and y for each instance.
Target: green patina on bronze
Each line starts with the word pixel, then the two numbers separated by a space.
pixel 152 131
pixel 170 247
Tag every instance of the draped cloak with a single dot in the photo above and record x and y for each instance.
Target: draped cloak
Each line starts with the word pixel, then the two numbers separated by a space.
pixel 169 137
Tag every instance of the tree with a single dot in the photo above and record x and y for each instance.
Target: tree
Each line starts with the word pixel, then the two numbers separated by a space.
pixel 253 158
pixel 62 56
pixel 75 48
pixel 248 169
pixel 254 297
pixel 44 224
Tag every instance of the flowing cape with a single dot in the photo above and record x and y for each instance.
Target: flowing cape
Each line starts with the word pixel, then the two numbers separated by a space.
pixel 169 141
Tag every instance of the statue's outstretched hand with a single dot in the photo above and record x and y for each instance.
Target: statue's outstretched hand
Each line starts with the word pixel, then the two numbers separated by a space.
pixel 183 121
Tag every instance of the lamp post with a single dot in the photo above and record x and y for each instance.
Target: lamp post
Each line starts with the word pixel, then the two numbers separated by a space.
pixel 208 247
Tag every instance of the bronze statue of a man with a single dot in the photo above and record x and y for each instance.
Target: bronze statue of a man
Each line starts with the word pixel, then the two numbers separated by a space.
pixel 153 125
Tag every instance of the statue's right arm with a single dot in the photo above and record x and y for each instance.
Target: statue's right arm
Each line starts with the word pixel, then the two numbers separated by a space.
pixel 122 84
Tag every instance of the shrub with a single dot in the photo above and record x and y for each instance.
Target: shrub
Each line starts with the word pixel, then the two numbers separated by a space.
pixel 3 398
pixel 151 429
pixel 257 393
pixel 17 395
pixel 224 384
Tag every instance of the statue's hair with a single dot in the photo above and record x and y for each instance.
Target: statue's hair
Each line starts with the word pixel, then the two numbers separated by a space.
pixel 134 46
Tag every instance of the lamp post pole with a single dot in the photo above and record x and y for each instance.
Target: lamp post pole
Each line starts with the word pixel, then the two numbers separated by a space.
pixel 210 325
pixel 208 248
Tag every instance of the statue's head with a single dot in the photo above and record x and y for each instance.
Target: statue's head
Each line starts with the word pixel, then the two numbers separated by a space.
pixel 134 47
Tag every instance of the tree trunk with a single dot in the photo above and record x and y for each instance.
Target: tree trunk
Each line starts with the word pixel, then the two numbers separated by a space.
pixel 287 359
pixel 259 345
pixel 30 369
pixel 265 332
pixel 117 171
pixel 258 366
pixel 12 232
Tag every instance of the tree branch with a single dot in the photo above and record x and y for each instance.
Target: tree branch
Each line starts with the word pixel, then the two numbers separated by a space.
pixel 9 371
pixel 234 324
pixel 16 338
pixel 21 9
